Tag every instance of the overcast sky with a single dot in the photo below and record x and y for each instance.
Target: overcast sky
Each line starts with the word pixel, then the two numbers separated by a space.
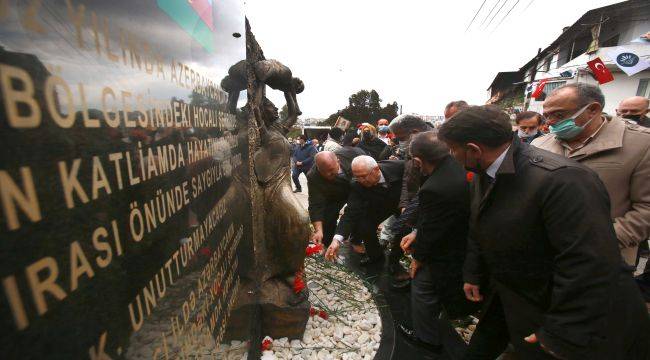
pixel 415 52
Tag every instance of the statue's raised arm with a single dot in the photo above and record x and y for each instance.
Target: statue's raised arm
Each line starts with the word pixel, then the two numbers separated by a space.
pixel 279 77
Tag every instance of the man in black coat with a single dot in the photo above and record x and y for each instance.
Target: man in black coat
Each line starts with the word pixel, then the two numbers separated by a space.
pixel 541 232
pixel 329 188
pixel 439 247
pixel 374 196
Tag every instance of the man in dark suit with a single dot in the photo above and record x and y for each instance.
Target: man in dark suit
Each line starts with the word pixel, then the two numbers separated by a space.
pixel 541 232
pixel 329 188
pixel 374 196
pixel 439 247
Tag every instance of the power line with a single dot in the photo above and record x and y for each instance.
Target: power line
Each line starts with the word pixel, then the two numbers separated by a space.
pixel 527 6
pixel 491 10
pixel 497 13
pixel 508 13
pixel 479 10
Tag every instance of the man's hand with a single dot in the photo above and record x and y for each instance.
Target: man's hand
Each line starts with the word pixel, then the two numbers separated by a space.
pixel 472 292
pixel 415 265
pixel 332 251
pixel 532 339
pixel 406 242
pixel 317 238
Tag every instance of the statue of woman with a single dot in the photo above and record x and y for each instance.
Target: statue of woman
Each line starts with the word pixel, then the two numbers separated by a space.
pixel 286 223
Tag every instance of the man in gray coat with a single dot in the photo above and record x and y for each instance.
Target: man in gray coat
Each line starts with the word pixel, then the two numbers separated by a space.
pixel 618 151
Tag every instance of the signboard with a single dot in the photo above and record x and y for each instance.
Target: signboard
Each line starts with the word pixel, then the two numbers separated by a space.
pixel 342 123
pixel 124 218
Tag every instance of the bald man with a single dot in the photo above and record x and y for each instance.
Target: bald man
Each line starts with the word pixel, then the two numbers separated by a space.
pixel 636 109
pixel 453 107
pixel 329 187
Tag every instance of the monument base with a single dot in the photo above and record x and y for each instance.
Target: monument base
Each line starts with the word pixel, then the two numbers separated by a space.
pixel 284 313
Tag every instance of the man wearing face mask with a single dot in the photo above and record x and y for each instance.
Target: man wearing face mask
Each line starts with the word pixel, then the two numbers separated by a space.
pixel 617 151
pixel 439 248
pixel 541 232
pixel 404 127
pixel 371 144
pixel 528 123
pixel 636 109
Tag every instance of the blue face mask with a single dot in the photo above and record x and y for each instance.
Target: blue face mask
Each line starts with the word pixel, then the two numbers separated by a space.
pixel 567 129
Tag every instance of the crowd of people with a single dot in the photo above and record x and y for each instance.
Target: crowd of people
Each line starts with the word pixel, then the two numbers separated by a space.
pixel 537 226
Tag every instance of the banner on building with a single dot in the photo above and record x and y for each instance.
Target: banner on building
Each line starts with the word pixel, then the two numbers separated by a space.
pixel 629 62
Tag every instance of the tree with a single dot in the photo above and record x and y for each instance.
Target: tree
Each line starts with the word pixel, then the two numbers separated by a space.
pixel 284 112
pixel 364 106
pixel 375 106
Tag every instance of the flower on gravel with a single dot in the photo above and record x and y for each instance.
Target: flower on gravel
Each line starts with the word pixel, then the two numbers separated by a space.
pixel 267 343
pixel 313 249
pixel 298 283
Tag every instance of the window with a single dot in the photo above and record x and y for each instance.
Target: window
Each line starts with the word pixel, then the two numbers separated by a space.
pixel 612 41
pixel 643 89
pixel 547 63
pixel 580 45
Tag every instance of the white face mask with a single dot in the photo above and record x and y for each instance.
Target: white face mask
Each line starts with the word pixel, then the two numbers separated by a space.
pixel 523 134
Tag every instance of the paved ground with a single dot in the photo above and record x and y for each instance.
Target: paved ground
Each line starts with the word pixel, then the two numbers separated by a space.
pixel 398 302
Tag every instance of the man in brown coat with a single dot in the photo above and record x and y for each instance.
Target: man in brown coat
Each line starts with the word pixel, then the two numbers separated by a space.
pixel 618 151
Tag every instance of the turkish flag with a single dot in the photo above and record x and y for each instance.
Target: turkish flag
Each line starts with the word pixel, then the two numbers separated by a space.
pixel 601 72
pixel 539 89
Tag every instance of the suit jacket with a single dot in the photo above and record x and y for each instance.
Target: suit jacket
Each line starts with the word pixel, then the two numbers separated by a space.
pixel 323 193
pixel 443 216
pixel 442 227
pixel 544 233
pixel 620 155
pixel 376 203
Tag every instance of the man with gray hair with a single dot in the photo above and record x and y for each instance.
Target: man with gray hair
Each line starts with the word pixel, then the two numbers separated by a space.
pixel 374 196
pixel 618 151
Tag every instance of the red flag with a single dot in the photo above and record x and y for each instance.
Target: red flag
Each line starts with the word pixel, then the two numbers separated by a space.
pixel 601 72
pixel 539 89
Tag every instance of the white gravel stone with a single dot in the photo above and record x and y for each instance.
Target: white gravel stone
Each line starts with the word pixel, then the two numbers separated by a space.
pixel 351 332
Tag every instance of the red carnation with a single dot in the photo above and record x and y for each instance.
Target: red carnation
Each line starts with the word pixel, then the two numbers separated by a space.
pixel 313 249
pixel 313 311
pixel 470 176
pixel 298 283
pixel 267 343
pixel 205 251
pixel 323 314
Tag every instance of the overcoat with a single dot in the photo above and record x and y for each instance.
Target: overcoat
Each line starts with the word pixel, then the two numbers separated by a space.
pixel 543 235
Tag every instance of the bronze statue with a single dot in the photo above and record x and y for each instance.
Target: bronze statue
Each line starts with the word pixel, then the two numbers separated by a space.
pixel 281 224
